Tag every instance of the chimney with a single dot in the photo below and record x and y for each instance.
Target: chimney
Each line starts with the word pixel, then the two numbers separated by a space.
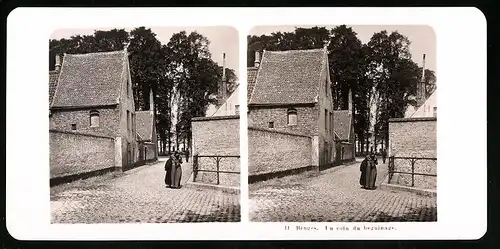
pixel 224 86
pixel 151 100
pixel 350 101
pixel 58 63
pixel 257 59
pixel 421 85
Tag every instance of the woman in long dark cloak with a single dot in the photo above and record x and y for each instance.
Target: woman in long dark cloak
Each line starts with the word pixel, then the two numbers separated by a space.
pixel 168 172
pixel 177 172
pixel 362 168
pixel 371 172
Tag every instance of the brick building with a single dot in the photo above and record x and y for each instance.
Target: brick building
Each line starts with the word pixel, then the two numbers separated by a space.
pixel 290 98
pixel 91 111
pixel 147 138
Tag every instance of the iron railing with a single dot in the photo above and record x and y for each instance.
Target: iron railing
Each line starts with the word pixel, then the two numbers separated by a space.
pixel 412 160
pixel 217 159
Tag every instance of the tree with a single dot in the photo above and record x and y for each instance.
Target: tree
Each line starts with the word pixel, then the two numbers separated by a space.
pixel 395 77
pixel 147 65
pixel 196 78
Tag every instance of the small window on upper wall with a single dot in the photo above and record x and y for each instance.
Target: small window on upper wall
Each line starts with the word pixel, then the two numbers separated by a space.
pixel 73 127
pixel 292 116
pixel 435 111
pixel 271 124
pixel 94 119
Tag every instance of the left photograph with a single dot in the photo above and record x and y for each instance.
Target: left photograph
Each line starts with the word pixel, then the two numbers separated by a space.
pixel 144 125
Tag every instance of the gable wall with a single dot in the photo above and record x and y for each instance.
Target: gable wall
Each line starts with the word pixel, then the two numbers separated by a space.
pixel 109 121
pixel 325 134
pixel 127 103
pixel 307 119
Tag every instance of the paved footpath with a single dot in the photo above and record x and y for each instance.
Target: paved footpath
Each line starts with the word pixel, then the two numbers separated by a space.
pixel 335 195
pixel 140 195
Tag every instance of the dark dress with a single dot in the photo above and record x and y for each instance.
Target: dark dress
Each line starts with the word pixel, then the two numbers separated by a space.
pixel 362 168
pixel 177 173
pixel 168 172
pixel 371 172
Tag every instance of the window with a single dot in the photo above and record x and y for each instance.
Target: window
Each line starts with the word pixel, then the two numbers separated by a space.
pixel 271 125
pixel 73 127
pixel 326 87
pixel 435 111
pixel 133 124
pixel 326 120
pixel 128 120
pixel 331 123
pixel 237 109
pixel 292 116
pixel 94 118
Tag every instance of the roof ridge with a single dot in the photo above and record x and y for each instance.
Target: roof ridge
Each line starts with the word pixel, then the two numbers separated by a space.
pixel 296 50
pixel 97 53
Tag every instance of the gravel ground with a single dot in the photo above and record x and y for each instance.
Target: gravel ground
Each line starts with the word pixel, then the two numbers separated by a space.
pixel 335 195
pixel 140 196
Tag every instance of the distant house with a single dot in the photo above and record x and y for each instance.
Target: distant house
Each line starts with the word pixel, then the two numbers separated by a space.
pixel 426 105
pixel 92 113
pixel 229 102
pixel 425 110
pixel 146 133
pixel 291 96
pixel 229 107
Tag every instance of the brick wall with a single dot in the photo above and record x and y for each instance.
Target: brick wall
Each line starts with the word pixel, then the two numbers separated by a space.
pixel 72 153
pixel 307 119
pixel 150 151
pixel 217 136
pixel 414 137
pixel 273 151
pixel 109 121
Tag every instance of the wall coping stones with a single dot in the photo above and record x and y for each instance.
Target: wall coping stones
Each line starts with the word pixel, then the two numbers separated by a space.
pixel 215 118
pixel 80 134
pixel 278 132
pixel 413 119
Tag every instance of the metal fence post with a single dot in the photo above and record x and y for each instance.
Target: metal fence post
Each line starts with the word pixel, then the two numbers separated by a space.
pixel 413 172
pixel 195 167
pixel 218 160
pixel 391 168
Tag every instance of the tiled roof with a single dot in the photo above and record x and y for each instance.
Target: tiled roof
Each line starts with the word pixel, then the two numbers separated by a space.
pixel 144 124
pixel 90 79
pixel 251 77
pixel 287 77
pixel 53 77
pixel 342 123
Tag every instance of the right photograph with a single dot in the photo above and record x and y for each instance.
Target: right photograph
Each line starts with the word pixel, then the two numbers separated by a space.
pixel 342 123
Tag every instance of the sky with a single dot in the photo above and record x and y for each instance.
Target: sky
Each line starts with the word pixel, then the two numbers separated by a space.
pixel 223 39
pixel 422 38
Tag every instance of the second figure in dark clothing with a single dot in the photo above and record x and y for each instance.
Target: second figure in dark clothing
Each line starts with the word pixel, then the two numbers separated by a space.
pixel 368 170
pixel 176 171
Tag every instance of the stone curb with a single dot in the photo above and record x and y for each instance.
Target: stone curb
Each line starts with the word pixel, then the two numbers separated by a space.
pixel 280 174
pixel 199 185
pixel 419 191
pixel 117 171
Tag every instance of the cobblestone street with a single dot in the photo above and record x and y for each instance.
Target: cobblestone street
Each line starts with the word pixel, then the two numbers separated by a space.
pixel 140 195
pixel 335 195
